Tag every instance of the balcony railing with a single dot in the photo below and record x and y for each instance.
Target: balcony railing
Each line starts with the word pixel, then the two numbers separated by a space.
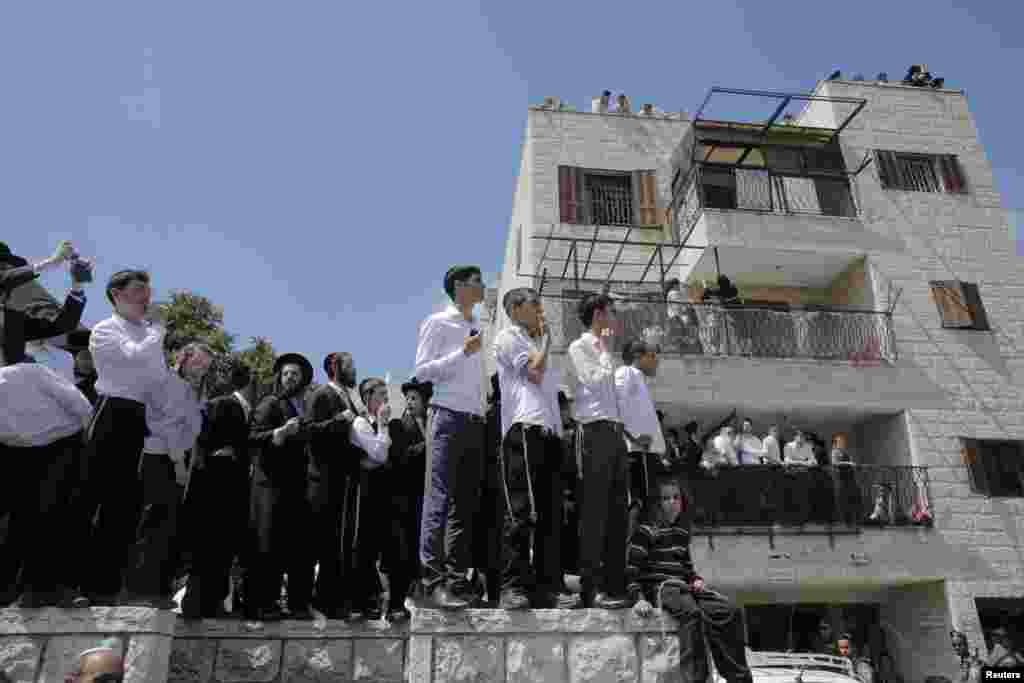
pixel 711 186
pixel 789 496
pixel 809 332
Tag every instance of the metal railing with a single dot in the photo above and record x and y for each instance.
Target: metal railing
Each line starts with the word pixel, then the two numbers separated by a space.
pixel 699 329
pixel 848 496
pixel 711 186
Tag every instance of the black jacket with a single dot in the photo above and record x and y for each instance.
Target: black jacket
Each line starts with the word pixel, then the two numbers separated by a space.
pixel 21 325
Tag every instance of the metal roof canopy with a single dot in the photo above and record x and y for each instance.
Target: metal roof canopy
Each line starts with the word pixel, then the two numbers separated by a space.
pixel 581 252
pixel 784 100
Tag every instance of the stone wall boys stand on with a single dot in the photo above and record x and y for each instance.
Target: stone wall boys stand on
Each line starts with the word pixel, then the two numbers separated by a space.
pixel 448 355
pixel 602 457
pixel 531 457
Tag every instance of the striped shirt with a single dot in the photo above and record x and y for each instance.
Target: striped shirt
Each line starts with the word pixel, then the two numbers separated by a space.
pixel 658 552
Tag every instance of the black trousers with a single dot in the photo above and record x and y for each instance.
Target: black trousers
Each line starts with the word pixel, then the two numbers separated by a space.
pixel 707 614
pixel 400 557
pixel 155 555
pixel 215 521
pixel 113 495
pixel 603 514
pixel 41 530
pixel 334 499
pixel 487 542
pixel 373 511
pixel 532 464
pixel 280 517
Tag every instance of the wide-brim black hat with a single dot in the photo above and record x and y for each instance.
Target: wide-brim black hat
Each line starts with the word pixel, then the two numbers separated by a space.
pixel 297 359
pixel 8 258
pixel 425 389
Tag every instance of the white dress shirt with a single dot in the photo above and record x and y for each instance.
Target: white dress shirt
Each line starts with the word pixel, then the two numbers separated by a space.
pixel 749 449
pixel 591 380
pixel 174 417
pixel 638 413
pixel 40 406
pixel 457 378
pixel 372 442
pixel 521 400
pixel 771 450
pixel 129 358
pixel 802 455
pixel 725 448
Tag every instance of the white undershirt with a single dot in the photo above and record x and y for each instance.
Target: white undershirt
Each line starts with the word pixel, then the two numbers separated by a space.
pixel 40 406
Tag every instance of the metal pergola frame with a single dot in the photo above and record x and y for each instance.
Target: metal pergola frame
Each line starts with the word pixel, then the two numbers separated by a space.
pixel 786 99
pixel 582 249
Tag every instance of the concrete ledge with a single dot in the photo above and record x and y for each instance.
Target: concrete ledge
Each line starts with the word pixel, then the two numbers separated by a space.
pixel 97 620
pixel 286 630
pixel 473 621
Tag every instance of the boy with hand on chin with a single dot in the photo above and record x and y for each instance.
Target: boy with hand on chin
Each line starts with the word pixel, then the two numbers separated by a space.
pixel 659 558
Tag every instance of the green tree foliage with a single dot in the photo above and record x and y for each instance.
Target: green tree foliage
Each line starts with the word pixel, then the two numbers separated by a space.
pixel 191 317
pixel 259 356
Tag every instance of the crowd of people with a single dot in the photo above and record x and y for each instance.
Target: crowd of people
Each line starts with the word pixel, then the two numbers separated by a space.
pixel 318 495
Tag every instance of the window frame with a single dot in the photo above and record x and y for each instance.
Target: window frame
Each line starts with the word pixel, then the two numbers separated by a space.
pixel 978 456
pixel 946 170
pixel 970 296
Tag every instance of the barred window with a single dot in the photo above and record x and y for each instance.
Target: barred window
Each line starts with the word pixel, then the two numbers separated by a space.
pixel 602 197
pixel 920 172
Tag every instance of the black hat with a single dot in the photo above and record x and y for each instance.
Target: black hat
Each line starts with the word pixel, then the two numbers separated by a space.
pixel 425 389
pixel 6 257
pixel 297 359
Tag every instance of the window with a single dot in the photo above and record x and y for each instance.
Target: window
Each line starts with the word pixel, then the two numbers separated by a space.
pixel 959 305
pixel 600 197
pixel 920 172
pixel 996 468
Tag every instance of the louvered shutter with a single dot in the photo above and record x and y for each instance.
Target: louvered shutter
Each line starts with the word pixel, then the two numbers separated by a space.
pixel 568 195
pixel 952 304
pixel 972 459
pixel 952 177
pixel 973 299
pixel 645 199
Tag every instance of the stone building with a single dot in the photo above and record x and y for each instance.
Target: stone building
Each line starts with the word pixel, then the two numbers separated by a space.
pixel 881 303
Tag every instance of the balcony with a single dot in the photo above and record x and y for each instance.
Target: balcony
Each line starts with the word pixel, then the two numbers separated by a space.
pixel 839 498
pixel 768 331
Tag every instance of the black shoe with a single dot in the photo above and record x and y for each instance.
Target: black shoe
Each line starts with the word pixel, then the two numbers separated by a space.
pixel 606 601
pixel 372 613
pixel 399 615
pixel 301 614
pixel 69 598
pixel 513 599
pixel 441 598
pixel 468 592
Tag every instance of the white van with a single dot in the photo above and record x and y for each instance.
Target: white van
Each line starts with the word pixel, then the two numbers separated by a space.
pixel 789 667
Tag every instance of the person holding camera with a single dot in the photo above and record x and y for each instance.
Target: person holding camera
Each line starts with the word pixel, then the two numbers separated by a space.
pixel 448 355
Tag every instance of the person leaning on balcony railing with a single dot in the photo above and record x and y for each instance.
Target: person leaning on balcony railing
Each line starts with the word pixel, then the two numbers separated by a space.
pixel 797 458
pixel 683 326
pixel 844 476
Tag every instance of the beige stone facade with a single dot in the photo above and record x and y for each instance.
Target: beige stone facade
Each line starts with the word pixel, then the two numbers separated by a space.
pixel 944 384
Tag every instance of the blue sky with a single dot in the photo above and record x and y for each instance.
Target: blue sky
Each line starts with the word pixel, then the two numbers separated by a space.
pixel 314 167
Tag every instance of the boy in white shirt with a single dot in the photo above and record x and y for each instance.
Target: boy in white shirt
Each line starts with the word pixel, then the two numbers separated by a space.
pixel 644 439
pixel 591 380
pixel 797 456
